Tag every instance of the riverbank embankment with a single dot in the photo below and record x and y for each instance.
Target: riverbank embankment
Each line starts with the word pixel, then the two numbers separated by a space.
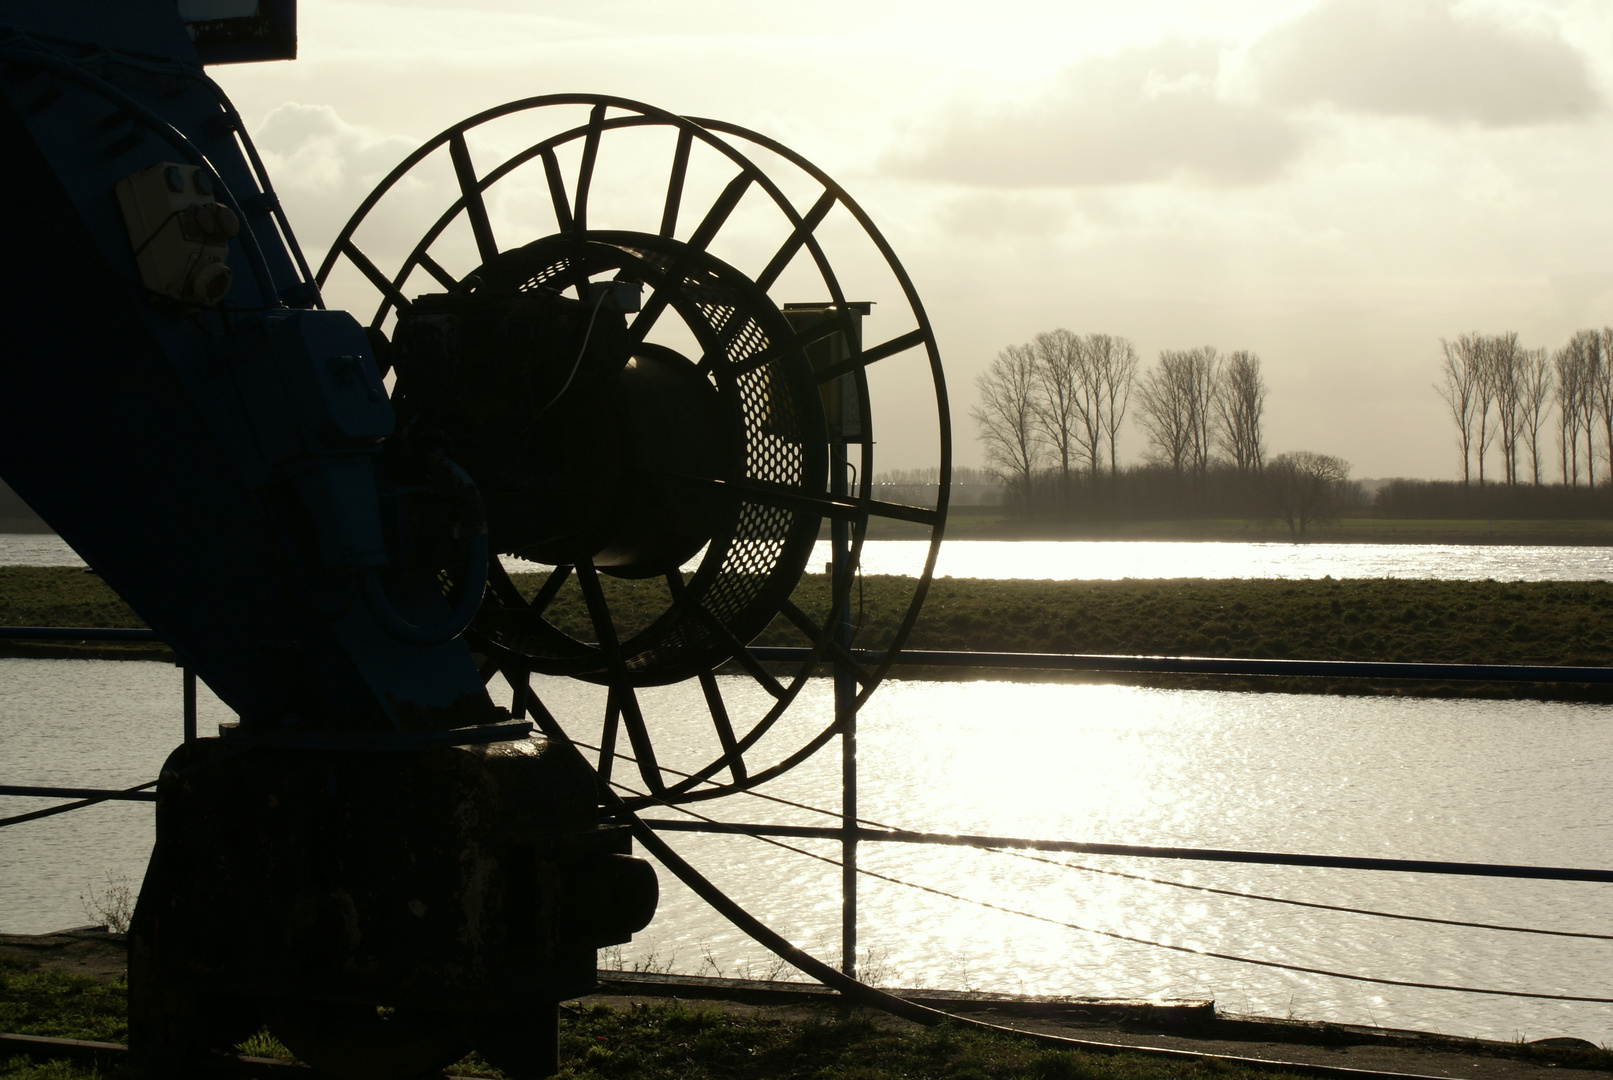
pixel 1457 622
pixel 72 985
pixel 990 523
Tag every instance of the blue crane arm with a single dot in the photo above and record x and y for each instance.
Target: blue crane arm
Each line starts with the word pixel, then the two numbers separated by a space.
pixel 177 404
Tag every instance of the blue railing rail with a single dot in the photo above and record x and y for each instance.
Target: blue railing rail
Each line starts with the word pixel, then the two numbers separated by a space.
pixel 102 633
pixel 955 658
pixel 77 633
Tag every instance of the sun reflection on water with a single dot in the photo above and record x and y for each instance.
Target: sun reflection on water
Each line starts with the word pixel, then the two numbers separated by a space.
pixel 1518 782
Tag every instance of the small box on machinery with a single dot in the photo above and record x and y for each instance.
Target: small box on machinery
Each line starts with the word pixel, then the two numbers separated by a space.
pixel 842 405
pixel 180 232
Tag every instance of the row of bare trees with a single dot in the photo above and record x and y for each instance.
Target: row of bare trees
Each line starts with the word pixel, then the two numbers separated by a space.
pixel 1501 396
pixel 1196 402
pixel 1060 398
pixel 1051 409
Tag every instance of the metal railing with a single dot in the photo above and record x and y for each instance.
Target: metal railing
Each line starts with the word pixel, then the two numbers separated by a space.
pixel 855 831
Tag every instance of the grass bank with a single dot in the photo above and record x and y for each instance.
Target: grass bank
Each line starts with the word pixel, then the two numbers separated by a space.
pixel 617 1039
pixel 1466 622
pixel 975 523
pixel 643 1041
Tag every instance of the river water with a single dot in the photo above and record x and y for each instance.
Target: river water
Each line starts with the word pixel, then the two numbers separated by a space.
pixel 1101 560
pixel 1349 776
pixel 1443 780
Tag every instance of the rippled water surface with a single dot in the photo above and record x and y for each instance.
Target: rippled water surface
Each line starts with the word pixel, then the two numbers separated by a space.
pixel 1106 560
pixel 1513 782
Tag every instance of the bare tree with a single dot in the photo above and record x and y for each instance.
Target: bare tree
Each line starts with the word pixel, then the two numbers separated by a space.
pixel 1238 410
pixel 1484 394
pixel 1569 366
pixel 1113 361
pixel 1534 396
pixel 1058 402
pixel 1459 369
pixel 1177 399
pixel 1303 487
pixel 1006 415
pixel 1586 348
pixel 1501 360
pixel 1601 368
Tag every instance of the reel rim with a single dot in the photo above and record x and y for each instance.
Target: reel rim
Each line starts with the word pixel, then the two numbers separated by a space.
pixel 857 509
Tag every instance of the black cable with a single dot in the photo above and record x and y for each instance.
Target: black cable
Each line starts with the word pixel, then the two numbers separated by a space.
pixel 33 56
pixel 242 744
pixel 51 811
pixel 1166 881
pixel 1126 937
pixel 1301 903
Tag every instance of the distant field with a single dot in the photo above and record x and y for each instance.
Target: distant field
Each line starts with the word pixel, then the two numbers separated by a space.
pixel 968 523
pixel 1437 621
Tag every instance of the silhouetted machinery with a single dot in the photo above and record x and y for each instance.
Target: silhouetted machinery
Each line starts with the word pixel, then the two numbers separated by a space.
pixel 327 519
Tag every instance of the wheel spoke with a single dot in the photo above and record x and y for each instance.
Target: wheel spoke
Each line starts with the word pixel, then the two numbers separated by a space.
pixel 557 190
pixel 546 594
pixel 471 193
pixel 815 333
pixel 731 752
pixel 383 283
pixel 813 219
pixel 845 508
pixel 725 727
pixel 638 735
pixel 814 632
pixel 674 187
pixel 645 319
pixel 868 356
pixel 718 214
pixel 585 171
pixel 623 700
pixel 741 652
pixel 607 738
pixel 432 267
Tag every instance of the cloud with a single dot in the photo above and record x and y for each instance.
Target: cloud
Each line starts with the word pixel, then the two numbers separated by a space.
pixel 1421 58
pixel 1146 114
pixel 322 166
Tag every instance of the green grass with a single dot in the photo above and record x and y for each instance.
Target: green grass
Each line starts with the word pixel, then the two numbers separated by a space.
pixel 601 1043
pixel 675 1041
pixel 1467 622
pixel 981 523
pixel 39 1001
pixel 597 1041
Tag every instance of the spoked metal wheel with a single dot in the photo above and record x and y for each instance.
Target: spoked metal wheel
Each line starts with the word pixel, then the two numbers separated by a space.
pixel 655 502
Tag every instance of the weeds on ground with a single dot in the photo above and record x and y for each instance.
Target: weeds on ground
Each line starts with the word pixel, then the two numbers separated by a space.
pixel 601 1043
pixel 113 906
pixel 646 963
pixel 264 1045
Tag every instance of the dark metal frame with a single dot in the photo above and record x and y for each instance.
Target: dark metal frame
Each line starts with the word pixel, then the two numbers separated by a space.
pixel 571 208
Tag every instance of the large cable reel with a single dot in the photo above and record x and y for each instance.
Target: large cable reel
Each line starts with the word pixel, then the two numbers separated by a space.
pixel 662 392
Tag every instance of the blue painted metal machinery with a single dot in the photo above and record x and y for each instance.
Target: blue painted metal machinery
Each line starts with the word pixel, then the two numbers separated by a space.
pixel 377 861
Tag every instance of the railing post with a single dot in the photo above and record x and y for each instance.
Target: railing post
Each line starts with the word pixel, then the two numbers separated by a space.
pixel 190 702
pixel 845 698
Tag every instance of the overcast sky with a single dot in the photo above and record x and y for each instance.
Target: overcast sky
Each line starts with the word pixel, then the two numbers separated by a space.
pixel 1332 185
